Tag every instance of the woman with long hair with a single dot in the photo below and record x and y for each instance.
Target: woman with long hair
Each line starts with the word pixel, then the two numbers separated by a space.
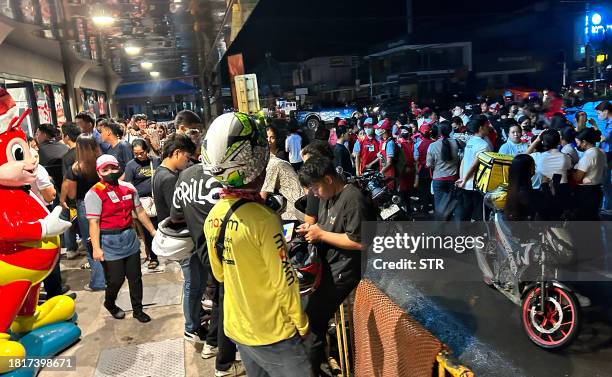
pixel 276 143
pixel 443 159
pixel 522 202
pixel 80 178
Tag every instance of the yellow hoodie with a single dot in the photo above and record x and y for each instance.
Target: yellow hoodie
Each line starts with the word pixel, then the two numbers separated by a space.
pixel 262 299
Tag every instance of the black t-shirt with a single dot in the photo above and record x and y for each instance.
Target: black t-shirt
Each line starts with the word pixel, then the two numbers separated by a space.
pixel 163 183
pixel 312 205
pixel 122 152
pixel 342 158
pixel 67 161
pixel 194 197
pixel 139 174
pixel 343 214
pixel 83 184
pixel 51 154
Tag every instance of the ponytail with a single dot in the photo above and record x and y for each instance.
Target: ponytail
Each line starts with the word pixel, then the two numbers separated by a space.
pixel 445 129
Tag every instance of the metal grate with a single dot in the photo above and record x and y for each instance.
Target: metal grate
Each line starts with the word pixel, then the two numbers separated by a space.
pixel 153 296
pixel 165 358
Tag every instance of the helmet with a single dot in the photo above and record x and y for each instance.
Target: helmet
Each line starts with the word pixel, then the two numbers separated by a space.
pixel 305 260
pixel 172 241
pixel 235 150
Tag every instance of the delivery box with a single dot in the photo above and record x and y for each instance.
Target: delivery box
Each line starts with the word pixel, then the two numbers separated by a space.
pixel 493 171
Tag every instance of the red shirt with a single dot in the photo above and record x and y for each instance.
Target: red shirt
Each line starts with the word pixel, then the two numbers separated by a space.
pixel 113 205
pixel 407 178
pixel 389 173
pixel 368 152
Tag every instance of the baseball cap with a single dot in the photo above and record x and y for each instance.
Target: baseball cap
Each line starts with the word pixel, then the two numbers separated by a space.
pixel 425 128
pixel 367 122
pixel 105 160
pixel 383 124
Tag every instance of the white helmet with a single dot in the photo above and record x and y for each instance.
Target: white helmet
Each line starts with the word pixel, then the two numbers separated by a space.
pixel 171 242
pixel 235 150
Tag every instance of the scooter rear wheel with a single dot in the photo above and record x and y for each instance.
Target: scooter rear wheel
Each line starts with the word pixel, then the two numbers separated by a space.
pixel 556 325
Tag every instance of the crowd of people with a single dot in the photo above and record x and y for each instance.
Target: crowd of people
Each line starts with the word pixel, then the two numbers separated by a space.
pixel 119 180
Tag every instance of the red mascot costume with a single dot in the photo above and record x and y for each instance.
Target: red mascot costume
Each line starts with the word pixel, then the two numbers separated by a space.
pixel 29 248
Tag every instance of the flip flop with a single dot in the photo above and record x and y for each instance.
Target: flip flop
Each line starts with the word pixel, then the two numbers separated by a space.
pixel 153 264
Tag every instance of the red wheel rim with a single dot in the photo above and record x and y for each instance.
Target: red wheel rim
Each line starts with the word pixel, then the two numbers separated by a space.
pixel 549 319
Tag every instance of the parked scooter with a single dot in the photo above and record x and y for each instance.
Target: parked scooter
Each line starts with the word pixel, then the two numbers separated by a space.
pixel 525 270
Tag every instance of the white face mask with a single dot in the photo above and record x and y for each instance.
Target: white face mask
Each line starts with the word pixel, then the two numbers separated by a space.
pixel 457 112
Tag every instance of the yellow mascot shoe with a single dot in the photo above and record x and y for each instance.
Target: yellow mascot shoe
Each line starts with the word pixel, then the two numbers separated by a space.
pixel 56 309
pixel 9 350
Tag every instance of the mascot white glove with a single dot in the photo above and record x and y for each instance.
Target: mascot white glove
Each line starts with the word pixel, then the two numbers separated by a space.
pixel 52 225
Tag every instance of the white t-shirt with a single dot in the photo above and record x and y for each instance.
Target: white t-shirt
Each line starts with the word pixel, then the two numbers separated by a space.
pixel 592 163
pixel 473 148
pixel 569 150
pixel 42 182
pixel 293 146
pixel 550 163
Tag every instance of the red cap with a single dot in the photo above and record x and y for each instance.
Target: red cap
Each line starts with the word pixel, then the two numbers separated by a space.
pixel 425 128
pixel 383 124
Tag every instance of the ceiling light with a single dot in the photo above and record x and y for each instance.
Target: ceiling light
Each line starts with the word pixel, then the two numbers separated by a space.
pixel 101 15
pixel 103 20
pixel 154 74
pixel 132 50
pixel 146 65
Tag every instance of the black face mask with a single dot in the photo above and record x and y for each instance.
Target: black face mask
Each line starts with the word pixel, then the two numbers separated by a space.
pixel 112 178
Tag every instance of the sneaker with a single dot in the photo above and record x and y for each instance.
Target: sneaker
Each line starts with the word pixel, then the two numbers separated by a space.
pixel 208 351
pixel 72 254
pixel 142 317
pixel 235 370
pixel 583 300
pixel 115 311
pixel 207 304
pixel 193 337
pixel 90 289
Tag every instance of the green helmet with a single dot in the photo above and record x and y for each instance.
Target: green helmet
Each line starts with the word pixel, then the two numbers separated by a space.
pixel 235 150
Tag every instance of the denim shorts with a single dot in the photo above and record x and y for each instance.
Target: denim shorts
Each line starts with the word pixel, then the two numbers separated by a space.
pixel 120 245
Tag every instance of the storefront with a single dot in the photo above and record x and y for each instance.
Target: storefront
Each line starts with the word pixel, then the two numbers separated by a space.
pixel 93 102
pixel 47 101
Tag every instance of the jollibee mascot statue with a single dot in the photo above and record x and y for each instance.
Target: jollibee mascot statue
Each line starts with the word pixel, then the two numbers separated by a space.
pixel 29 249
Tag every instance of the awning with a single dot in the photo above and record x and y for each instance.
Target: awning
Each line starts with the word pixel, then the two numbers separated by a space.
pixel 160 88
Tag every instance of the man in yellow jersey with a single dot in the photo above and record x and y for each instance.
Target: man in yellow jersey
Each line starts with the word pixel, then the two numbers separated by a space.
pixel 248 254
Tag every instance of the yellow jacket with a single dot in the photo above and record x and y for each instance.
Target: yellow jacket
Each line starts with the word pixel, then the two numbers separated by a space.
pixel 262 299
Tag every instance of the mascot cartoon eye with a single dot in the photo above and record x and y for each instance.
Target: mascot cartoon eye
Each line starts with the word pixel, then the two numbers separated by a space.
pixel 18 152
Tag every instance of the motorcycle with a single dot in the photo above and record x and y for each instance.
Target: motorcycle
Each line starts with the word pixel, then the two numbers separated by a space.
pixel 390 205
pixel 526 272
